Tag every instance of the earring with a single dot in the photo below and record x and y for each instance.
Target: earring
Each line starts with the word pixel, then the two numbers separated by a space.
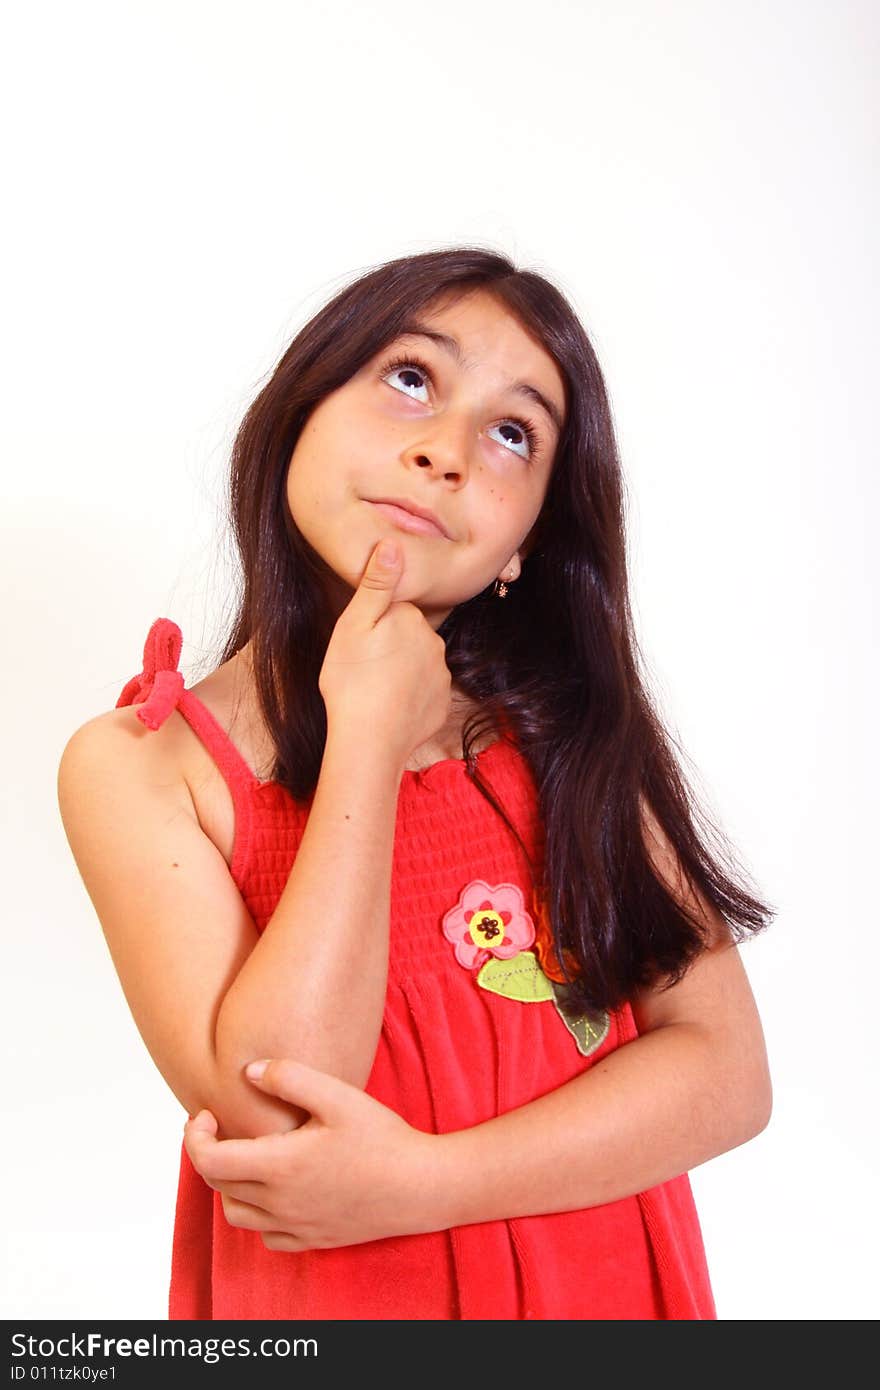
pixel 500 588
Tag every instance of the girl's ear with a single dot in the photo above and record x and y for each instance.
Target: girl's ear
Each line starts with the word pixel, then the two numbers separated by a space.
pixel 512 570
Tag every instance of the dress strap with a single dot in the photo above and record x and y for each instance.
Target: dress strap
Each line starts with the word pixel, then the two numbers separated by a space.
pixel 160 686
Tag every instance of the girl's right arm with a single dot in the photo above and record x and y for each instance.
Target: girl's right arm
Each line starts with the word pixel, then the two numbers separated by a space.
pixel 207 991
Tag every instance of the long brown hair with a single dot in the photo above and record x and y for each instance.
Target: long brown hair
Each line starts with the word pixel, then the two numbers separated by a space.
pixel 556 659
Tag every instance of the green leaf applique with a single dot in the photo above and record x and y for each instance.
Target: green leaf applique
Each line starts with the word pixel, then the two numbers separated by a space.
pixel 520 978
pixel 589 1030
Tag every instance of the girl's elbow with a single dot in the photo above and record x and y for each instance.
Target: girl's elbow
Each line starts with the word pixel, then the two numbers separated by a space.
pixel 242 1109
pixel 766 1108
pixel 758 1104
pixel 244 1112
pixel 743 1093
pixel 749 1072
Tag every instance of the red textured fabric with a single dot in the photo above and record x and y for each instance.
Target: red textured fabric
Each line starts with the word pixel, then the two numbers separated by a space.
pixel 451 1054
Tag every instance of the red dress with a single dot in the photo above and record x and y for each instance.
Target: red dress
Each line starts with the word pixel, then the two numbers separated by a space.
pixel 459 1044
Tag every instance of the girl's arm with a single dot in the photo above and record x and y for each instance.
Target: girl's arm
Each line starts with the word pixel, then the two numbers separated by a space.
pixel 693 1085
pixel 207 991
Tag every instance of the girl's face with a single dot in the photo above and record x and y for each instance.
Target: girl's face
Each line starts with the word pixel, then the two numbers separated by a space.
pixel 443 425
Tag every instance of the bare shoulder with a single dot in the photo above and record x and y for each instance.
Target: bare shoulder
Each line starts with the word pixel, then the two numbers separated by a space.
pixel 115 745
pixel 121 729
pixel 170 765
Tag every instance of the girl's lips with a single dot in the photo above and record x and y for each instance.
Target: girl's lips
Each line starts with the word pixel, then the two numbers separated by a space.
pixel 416 525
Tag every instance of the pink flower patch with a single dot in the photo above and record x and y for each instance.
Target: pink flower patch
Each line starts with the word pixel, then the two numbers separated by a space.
pixel 488 922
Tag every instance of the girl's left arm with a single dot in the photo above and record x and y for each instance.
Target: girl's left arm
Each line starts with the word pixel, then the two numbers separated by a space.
pixel 693 1085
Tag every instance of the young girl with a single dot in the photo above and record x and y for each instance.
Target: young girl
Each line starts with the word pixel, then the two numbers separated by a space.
pixel 421 845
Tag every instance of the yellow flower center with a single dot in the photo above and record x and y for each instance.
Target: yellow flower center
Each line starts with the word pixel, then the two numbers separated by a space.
pixel 486 928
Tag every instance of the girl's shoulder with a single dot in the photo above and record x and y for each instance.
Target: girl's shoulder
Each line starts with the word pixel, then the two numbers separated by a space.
pixel 119 740
pixel 168 751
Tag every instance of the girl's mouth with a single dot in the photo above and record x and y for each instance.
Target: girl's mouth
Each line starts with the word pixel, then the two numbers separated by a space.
pixel 407 521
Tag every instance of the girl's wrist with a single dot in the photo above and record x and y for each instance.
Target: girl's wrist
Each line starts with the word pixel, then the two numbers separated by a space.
pixel 437 1184
pixel 348 747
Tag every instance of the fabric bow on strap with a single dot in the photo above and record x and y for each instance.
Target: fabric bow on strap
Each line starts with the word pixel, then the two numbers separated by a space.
pixel 160 684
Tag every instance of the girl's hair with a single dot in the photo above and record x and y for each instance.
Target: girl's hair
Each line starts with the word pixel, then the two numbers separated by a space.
pixel 557 659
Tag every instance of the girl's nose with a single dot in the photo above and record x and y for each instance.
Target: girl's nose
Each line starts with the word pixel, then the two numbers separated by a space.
pixel 444 449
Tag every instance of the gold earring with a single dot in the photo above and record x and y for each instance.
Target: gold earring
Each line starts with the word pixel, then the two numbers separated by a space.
pixel 500 588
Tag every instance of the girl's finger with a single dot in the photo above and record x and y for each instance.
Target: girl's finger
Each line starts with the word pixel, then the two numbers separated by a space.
pixel 281 1240
pixel 203 1121
pixel 325 1097
pixel 254 1193
pixel 248 1217
pixel 235 1160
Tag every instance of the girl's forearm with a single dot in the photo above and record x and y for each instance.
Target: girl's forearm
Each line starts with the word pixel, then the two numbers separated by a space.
pixel 654 1108
pixel 313 987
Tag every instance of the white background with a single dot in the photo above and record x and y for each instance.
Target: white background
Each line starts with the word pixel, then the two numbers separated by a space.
pixel 190 182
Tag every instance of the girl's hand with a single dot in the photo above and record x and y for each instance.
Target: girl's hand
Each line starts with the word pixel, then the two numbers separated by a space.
pixel 355 1171
pixel 384 672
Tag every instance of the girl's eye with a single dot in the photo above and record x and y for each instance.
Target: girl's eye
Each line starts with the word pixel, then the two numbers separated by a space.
pixel 409 369
pixel 524 430
pixel 406 369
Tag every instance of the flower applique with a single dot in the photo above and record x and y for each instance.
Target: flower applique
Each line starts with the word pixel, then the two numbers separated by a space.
pixel 488 922
pixel 491 931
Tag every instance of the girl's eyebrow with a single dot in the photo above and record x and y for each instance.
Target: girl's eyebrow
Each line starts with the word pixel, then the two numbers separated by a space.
pixel 453 347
